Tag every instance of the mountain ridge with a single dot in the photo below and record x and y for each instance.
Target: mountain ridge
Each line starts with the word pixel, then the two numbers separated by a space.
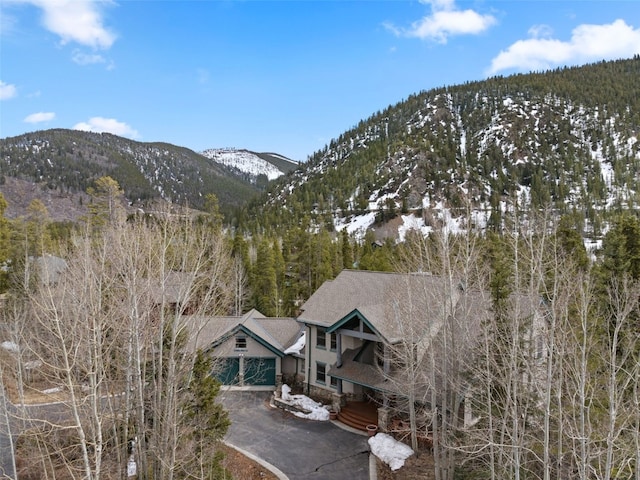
pixel 62 164
pixel 566 138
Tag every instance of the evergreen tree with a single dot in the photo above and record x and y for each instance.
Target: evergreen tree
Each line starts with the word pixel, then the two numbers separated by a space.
pixel 265 285
pixel 209 422
pixel 621 249
pixel 5 238
pixel 106 202
pixel 347 249
pixel 571 243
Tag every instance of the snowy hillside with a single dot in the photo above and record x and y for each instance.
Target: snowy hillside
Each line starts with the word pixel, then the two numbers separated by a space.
pixel 250 163
pixel 566 140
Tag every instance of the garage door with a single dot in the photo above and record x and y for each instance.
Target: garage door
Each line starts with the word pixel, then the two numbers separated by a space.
pixel 259 371
pixel 227 371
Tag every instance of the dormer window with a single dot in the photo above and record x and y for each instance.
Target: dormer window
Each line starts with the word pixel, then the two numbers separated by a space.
pixel 241 343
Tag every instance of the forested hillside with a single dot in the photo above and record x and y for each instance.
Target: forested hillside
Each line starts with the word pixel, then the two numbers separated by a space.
pixel 566 138
pixel 69 161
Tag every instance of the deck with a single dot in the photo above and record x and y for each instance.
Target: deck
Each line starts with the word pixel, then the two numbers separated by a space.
pixel 359 414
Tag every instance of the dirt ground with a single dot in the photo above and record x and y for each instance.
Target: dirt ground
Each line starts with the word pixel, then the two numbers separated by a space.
pixel 242 467
pixel 416 467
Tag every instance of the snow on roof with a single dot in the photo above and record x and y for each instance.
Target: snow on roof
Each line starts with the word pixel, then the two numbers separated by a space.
pixel 298 345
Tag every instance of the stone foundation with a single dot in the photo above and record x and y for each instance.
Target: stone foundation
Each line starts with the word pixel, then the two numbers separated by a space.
pixel 338 401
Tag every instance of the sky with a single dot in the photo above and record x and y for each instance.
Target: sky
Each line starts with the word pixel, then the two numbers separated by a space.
pixel 274 76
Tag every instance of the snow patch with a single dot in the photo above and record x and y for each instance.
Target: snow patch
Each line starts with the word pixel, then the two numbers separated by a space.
pixel 316 410
pixel 243 160
pixel 389 450
pixel 411 222
pixel 357 225
pixel 10 347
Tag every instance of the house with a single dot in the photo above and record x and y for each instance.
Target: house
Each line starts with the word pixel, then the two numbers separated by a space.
pixel 358 324
pixel 250 350
pixel 365 336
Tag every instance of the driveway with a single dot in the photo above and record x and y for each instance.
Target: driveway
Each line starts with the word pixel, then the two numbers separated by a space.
pixel 300 448
pixel 6 447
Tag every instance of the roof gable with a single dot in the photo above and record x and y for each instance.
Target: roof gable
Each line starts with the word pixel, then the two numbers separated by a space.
pixel 275 334
pixel 243 329
pixel 354 314
pixel 383 299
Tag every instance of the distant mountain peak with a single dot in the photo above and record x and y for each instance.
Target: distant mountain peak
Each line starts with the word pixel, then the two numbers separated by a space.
pixel 253 164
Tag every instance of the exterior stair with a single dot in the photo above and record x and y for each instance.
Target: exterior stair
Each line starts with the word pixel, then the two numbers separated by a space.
pixel 358 415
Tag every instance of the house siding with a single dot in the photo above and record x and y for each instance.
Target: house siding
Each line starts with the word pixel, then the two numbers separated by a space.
pixel 328 357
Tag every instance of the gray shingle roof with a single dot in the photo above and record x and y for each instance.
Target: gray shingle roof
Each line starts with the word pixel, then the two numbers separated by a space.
pixel 279 332
pixel 383 299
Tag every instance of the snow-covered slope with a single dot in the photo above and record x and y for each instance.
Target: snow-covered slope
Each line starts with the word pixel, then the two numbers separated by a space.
pixel 250 163
pixel 562 140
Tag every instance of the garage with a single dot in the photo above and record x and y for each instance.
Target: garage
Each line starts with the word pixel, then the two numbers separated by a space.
pixel 260 371
pixel 247 350
pixel 227 371
pixel 257 371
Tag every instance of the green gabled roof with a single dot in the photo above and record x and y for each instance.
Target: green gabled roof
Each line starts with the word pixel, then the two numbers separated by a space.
pixel 242 329
pixel 355 313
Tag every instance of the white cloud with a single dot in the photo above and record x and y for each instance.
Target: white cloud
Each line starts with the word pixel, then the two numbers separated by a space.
pixel 75 21
pixel 445 21
pixel 7 91
pixel 541 31
pixel 109 125
pixel 82 58
pixel 587 43
pixel 40 117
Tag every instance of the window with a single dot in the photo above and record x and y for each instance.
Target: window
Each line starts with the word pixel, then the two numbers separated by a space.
pixel 301 366
pixel 333 382
pixel 321 338
pixel 321 373
pixel 334 342
pixel 241 343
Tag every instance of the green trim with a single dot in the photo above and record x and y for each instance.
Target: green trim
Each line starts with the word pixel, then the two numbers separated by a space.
pixel 322 364
pixel 242 329
pixel 350 316
pixel 320 330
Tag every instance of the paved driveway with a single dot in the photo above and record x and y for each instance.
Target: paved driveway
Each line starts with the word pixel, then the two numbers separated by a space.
pixel 6 447
pixel 301 449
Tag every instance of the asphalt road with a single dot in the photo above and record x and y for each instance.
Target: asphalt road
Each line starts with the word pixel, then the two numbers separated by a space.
pixel 301 449
pixel 6 448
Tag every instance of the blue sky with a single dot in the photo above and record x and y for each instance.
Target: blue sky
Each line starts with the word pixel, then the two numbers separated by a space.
pixel 278 76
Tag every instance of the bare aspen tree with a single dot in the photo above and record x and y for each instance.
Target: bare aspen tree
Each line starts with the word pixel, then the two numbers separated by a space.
pixel 193 269
pixel 620 347
pixel 579 380
pixel 72 342
pixel 111 334
pixel 240 286
pixel 434 316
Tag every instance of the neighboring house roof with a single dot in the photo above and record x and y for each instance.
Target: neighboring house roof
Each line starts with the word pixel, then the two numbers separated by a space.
pixel 277 334
pixel 383 299
pixel 175 287
pixel 49 268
